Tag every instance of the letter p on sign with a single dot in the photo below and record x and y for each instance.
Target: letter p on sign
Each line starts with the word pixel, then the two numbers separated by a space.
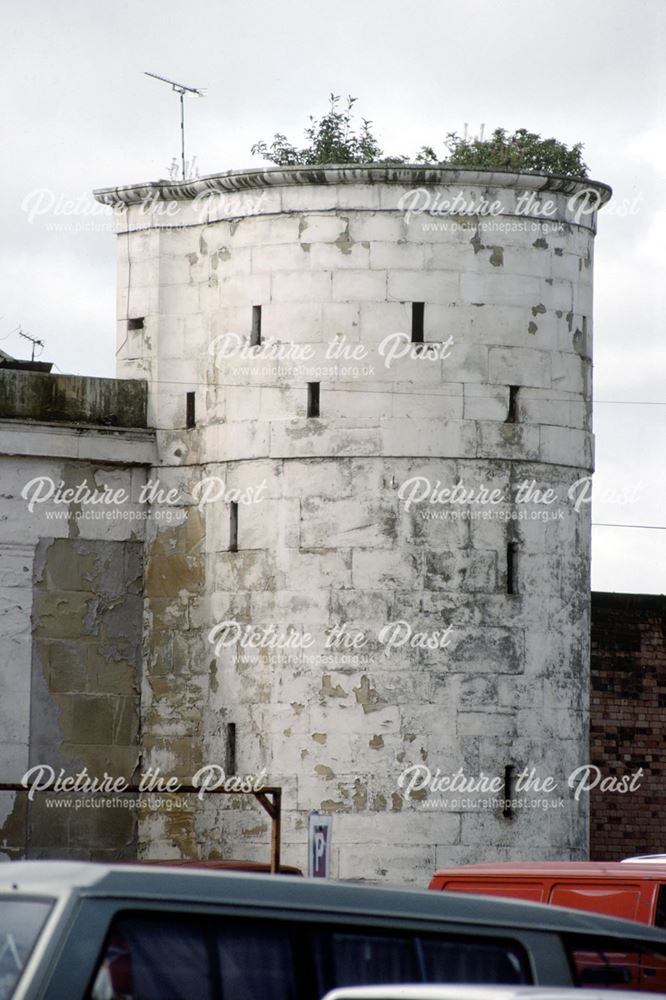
pixel 319 845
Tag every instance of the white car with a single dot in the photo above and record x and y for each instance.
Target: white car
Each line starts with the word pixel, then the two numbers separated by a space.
pixel 476 993
pixel 645 859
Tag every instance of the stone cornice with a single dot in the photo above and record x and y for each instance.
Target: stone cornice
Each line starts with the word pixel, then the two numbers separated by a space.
pixel 406 175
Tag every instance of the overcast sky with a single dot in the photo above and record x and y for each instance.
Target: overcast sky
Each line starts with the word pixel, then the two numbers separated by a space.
pixel 78 113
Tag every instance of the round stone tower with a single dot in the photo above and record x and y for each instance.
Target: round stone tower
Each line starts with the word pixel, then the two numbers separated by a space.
pixel 370 579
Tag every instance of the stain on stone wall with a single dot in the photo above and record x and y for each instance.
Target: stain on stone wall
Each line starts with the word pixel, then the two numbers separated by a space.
pixel 87 622
pixel 177 662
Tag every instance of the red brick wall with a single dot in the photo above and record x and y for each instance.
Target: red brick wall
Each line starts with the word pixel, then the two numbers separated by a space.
pixel 628 723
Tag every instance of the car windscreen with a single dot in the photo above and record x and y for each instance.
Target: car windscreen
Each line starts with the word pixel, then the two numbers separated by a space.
pixel 21 921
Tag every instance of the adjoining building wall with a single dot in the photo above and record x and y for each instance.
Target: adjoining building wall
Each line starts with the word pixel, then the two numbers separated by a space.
pixel 85 689
pixel 71 576
pixel 322 538
pixel 628 723
pixel 28 395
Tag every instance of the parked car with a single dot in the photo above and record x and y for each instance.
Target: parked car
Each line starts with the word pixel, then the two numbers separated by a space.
pixel 470 993
pixel 636 892
pixel 84 931
pixel 642 859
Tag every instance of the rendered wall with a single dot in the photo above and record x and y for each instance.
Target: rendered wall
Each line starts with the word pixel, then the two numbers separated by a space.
pixel 71 624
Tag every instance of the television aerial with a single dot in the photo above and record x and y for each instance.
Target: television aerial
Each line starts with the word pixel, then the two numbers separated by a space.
pixel 33 340
pixel 181 90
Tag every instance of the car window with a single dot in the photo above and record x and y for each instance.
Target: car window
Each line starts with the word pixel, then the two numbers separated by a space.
pixel 190 957
pixel 154 958
pixel 361 959
pixel 476 961
pixel 660 916
pixel 21 921
pixel 255 961
pixel 151 957
pixel 630 965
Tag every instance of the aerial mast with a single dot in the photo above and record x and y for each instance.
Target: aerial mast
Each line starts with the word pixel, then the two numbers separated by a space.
pixel 181 90
pixel 33 340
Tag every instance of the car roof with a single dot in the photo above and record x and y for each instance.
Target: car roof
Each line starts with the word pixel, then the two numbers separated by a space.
pixel 641 859
pixel 152 883
pixel 559 869
pixel 471 992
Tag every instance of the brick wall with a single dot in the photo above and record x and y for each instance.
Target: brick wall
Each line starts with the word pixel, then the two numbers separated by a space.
pixel 628 722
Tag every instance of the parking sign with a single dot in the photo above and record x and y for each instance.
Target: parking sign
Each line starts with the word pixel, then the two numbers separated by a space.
pixel 319 845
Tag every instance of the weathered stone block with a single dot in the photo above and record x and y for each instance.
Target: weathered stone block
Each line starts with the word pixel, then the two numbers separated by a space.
pixel 320 439
pixel 500 289
pixel 427 438
pixel 508 441
pixel 461 571
pixel 340 255
pixel 359 286
pixel 382 226
pixel 485 402
pixel 489 650
pixel 343 523
pixel 375 570
pixel 557 444
pixel 300 286
pixel 515 366
pixel 420 286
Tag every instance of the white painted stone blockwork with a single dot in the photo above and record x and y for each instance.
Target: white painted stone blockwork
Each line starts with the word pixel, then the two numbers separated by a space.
pixel 498 394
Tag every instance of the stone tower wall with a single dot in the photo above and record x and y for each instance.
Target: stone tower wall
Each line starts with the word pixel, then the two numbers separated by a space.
pixel 498 395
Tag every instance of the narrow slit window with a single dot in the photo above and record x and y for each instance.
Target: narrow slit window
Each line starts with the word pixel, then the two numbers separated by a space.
pixel 509 774
pixel 255 334
pixel 313 399
pixel 233 526
pixel 511 568
pixel 136 323
pixel 512 415
pixel 231 748
pixel 418 312
pixel 190 412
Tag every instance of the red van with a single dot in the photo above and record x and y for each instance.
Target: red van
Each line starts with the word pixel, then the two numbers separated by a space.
pixel 630 891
